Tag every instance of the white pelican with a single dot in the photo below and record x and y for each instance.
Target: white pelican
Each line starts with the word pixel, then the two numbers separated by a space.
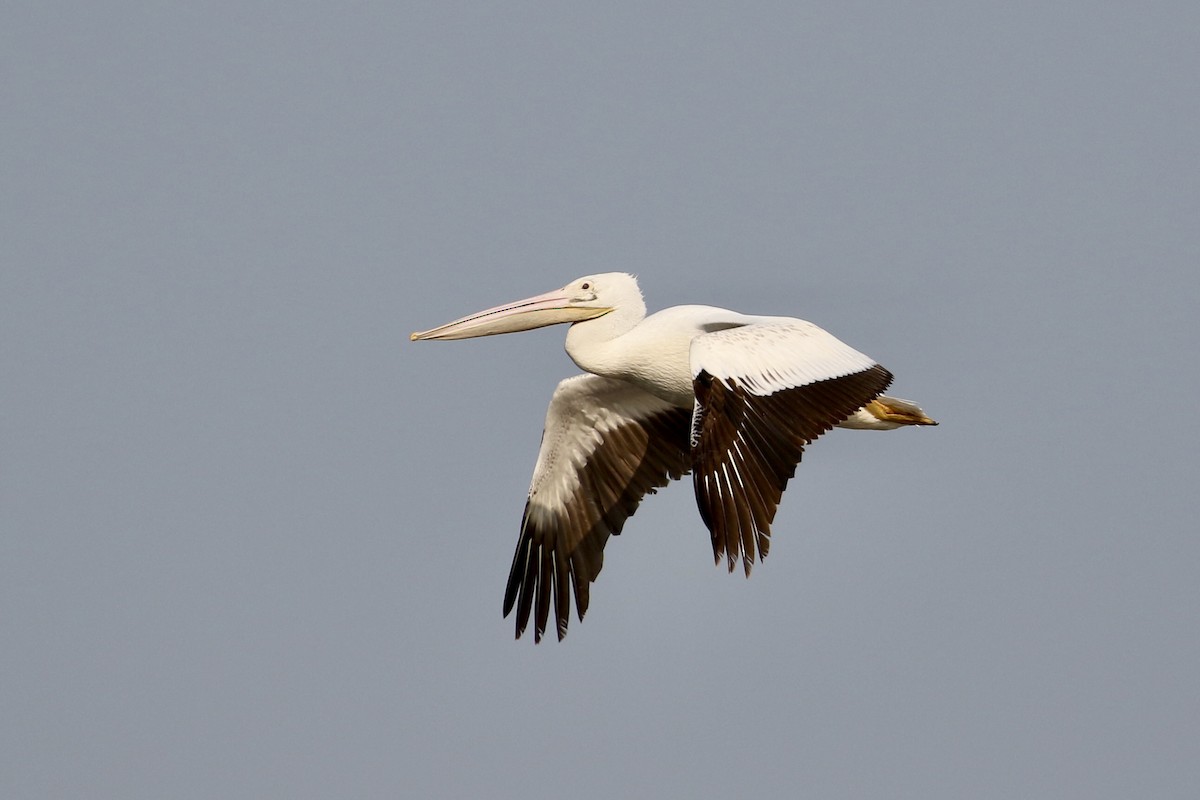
pixel 731 398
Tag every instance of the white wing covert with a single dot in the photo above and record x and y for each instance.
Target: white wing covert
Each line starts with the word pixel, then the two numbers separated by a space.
pixel 764 391
pixel 606 445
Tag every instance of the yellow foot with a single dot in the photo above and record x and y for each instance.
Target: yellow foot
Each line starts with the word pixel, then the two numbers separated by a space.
pixel 899 412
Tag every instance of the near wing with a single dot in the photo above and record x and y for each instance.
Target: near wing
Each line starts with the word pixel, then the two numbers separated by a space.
pixel 764 391
pixel 606 444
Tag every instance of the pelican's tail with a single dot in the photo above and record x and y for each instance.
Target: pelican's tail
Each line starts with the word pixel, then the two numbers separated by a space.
pixel 886 413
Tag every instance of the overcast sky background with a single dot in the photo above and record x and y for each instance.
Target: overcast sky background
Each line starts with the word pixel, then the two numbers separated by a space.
pixel 254 541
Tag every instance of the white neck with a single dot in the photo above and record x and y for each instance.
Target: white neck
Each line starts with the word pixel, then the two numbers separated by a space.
pixel 592 345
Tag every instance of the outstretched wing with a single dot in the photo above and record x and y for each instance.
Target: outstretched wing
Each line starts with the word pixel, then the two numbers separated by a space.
pixel 764 391
pixel 606 444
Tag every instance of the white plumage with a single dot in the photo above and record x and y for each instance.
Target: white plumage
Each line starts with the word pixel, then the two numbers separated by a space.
pixel 731 398
pixel 768 354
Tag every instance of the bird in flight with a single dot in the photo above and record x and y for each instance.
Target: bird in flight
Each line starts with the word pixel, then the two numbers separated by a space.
pixel 731 398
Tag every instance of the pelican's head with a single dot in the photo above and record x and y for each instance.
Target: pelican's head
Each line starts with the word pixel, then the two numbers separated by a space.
pixel 582 299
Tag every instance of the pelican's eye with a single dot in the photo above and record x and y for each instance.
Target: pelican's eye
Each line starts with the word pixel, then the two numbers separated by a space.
pixel 585 286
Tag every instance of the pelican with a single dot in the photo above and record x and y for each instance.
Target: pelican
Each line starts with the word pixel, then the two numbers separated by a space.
pixel 731 398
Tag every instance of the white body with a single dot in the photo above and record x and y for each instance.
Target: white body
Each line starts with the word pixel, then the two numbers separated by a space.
pixel 732 398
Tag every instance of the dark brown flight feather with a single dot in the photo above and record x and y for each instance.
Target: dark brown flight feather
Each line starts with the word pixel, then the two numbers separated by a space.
pixel 560 551
pixel 746 447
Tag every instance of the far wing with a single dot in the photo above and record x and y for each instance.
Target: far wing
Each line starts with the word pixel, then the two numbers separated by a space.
pixel 764 391
pixel 606 444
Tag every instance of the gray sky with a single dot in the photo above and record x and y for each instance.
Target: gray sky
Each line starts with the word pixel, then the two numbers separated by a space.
pixel 253 542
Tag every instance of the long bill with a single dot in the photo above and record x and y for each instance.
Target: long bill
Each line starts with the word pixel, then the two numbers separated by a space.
pixel 550 308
